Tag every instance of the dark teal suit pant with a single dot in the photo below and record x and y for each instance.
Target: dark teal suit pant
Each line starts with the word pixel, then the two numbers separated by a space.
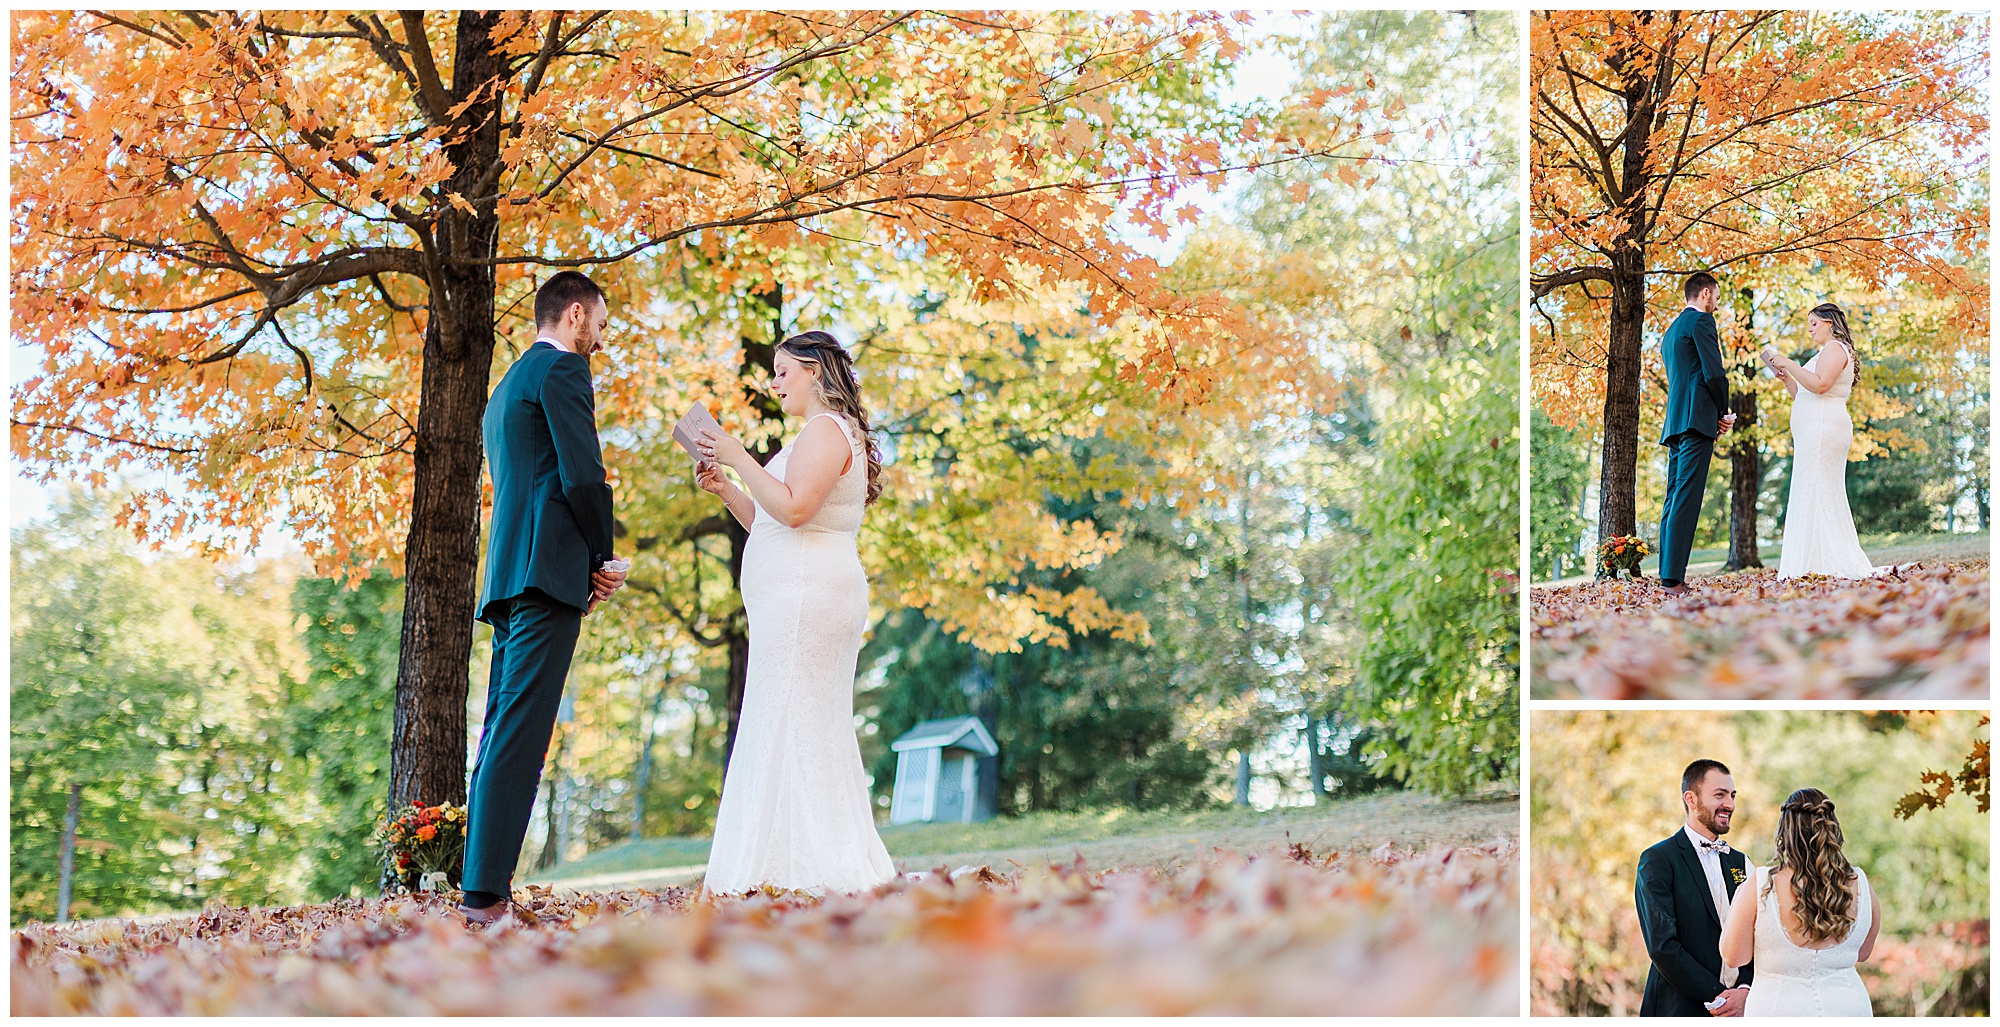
pixel 533 639
pixel 1687 478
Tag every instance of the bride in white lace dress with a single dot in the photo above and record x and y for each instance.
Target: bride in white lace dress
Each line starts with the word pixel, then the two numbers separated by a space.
pixel 795 811
pixel 1819 526
pixel 1806 920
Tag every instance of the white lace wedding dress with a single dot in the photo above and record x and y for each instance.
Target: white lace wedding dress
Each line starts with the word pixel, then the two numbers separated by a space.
pixel 1795 981
pixel 1819 527
pixel 795 811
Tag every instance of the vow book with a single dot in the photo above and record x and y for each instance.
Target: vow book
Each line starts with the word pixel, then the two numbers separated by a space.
pixel 688 431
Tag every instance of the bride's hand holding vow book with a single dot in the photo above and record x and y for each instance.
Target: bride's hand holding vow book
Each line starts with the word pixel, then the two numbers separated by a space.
pixel 689 429
pixel 719 447
pixel 699 434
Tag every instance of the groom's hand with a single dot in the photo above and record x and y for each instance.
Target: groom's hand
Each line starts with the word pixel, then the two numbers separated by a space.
pixel 1722 426
pixel 604 581
pixel 1732 1001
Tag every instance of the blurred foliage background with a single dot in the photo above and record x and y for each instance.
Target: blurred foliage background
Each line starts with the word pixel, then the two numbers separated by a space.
pixel 1605 785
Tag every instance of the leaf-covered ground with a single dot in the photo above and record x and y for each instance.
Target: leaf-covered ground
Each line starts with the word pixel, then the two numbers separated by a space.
pixel 1920 631
pixel 1385 932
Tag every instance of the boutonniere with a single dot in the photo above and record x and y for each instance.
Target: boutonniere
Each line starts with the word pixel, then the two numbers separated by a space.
pixel 1736 875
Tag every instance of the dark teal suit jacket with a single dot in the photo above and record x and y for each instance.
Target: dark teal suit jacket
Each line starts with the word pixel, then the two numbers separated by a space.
pixel 1697 385
pixel 1682 928
pixel 551 505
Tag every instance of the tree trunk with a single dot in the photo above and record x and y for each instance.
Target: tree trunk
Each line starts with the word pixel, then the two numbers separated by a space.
pixel 642 777
pixel 1617 497
pixel 67 883
pixel 1316 761
pixel 566 815
pixel 1038 794
pixel 1583 551
pixel 737 632
pixel 1617 486
pixel 1746 465
pixel 1249 640
pixel 1138 784
pixel 1746 476
pixel 754 365
pixel 428 753
pixel 551 853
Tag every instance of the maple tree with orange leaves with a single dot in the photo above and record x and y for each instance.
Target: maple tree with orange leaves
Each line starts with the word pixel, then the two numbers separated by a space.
pixel 1974 780
pixel 1668 142
pixel 273 254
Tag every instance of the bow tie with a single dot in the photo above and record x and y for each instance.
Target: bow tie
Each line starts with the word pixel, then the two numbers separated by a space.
pixel 1718 846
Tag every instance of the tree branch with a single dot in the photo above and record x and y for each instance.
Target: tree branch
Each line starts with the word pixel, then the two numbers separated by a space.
pixel 80 430
pixel 437 102
pixel 298 282
pixel 174 41
pixel 1542 285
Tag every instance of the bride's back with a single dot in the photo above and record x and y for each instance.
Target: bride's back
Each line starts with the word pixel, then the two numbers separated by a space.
pixel 1785 904
pixel 1778 952
pixel 1814 916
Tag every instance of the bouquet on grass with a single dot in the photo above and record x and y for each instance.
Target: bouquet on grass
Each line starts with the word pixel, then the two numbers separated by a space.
pixel 1621 553
pixel 422 848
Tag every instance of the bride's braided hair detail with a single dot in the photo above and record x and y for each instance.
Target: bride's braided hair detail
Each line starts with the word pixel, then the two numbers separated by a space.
pixel 1809 842
pixel 839 387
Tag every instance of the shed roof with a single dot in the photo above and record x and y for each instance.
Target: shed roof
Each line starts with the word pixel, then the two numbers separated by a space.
pixel 959 732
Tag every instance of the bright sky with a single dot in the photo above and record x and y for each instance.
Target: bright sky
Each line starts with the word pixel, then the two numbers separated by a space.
pixel 1263 75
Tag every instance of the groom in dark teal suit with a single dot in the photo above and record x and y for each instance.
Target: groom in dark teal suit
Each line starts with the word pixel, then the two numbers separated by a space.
pixel 1697 395
pixel 545 556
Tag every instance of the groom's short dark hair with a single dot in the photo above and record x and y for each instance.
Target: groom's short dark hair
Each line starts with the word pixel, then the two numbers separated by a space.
pixel 1691 777
pixel 1696 283
pixel 562 289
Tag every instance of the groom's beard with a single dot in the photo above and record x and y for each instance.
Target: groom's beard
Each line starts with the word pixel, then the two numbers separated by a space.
pixel 1714 823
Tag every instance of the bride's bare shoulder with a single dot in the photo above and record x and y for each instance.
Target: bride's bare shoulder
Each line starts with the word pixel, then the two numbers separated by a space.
pixel 826 426
pixel 826 435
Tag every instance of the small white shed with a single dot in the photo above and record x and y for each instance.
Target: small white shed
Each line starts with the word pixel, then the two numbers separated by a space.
pixel 937 771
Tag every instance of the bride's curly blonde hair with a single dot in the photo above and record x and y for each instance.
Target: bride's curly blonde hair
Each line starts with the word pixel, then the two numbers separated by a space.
pixel 1809 842
pixel 839 387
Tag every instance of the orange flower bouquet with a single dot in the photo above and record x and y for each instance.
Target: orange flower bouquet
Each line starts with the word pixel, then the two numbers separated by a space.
pixel 1621 553
pixel 422 848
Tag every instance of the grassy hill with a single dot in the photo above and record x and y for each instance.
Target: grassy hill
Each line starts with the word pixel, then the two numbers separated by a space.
pixel 1112 837
pixel 1895 547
